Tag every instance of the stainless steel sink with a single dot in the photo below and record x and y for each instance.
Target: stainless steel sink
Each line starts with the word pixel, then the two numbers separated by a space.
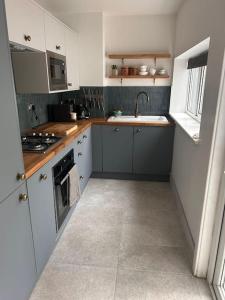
pixel 132 119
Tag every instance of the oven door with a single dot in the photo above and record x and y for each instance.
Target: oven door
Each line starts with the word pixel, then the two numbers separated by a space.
pixel 62 197
pixel 57 71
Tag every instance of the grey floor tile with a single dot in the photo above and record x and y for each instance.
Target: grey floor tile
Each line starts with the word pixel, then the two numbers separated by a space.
pixel 129 225
pixel 157 259
pixel 89 244
pixel 68 282
pixel 151 217
pixel 136 285
pixel 154 235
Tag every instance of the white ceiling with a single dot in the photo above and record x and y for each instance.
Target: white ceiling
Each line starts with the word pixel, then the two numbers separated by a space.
pixel 114 7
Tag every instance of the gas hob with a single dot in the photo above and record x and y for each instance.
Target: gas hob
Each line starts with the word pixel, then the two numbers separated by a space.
pixel 39 142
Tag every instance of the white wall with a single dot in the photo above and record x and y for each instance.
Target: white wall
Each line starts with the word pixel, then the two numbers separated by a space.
pixel 197 20
pixel 139 34
pixel 91 46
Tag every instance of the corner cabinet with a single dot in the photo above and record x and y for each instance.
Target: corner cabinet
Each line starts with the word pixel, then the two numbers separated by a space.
pixel 25 23
pixel 18 272
pixel 42 210
pixel 117 143
pixel 153 148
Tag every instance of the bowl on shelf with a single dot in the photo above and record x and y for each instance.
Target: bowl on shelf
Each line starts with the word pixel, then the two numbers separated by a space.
pixel 143 73
pixel 162 72
pixel 143 68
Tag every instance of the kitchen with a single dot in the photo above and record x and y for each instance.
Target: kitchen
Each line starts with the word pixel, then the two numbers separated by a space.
pixel 113 155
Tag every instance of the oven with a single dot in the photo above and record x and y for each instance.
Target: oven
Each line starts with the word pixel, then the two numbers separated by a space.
pixel 62 187
pixel 56 71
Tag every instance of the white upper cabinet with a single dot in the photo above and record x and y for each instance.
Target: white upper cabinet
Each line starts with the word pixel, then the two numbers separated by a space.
pixel 72 59
pixel 25 22
pixel 55 35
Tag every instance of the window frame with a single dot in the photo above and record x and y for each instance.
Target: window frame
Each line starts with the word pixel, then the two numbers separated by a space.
pixel 198 91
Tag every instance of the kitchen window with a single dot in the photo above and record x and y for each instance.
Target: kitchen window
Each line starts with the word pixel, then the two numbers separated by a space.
pixel 197 68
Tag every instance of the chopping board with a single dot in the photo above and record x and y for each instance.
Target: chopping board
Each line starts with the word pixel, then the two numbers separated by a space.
pixel 60 129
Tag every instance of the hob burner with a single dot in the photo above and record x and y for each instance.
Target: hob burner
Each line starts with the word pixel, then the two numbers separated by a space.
pixel 38 142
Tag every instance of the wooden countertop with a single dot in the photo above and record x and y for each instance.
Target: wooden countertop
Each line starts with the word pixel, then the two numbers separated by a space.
pixel 34 161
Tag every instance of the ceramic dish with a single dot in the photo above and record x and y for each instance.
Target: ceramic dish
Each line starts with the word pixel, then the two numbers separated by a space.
pixel 143 73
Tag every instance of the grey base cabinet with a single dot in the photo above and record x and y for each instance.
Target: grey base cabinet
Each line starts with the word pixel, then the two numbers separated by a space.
pixel 17 262
pixel 42 210
pixel 132 152
pixel 117 145
pixel 97 148
pixel 153 147
pixel 83 156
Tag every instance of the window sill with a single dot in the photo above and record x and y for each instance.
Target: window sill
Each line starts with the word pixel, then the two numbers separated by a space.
pixel 188 124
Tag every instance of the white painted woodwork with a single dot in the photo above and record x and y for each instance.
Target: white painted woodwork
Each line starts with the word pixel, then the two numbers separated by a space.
pixel 55 35
pixel 72 59
pixel 24 17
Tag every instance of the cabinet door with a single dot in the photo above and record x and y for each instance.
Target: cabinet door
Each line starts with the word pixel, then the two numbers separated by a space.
pixel 117 149
pixel 87 150
pixel 153 148
pixel 55 35
pixel 18 273
pixel 97 148
pixel 26 23
pixel 11 160
pixel 72 59
pixel 42 209
pixel 79 159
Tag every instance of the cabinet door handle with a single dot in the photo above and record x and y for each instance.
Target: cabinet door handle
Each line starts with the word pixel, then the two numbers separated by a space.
pixel 69 84
pixel 116 129
pixel 84 136
pixel 79 142
pixel 43 177
pixel 80 154
pixel 27 38
pixel 23 197
pixel 138 130
pixel 81 177
pixel 20 176
pixel 58 47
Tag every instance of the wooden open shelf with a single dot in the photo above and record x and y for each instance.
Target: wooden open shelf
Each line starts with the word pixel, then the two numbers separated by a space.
pixel 139 55
pixel 140 77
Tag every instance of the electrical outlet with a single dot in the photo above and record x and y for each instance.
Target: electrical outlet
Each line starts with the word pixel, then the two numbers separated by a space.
pixel 31 106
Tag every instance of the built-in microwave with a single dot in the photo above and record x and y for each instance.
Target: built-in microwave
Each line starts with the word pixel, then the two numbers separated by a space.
pixel 39 72
pixel 56 71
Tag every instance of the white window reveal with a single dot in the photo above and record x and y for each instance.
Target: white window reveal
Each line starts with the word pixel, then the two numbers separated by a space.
pixel 197 68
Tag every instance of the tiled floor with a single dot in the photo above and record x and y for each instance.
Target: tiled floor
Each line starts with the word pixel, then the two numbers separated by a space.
pixel 124 242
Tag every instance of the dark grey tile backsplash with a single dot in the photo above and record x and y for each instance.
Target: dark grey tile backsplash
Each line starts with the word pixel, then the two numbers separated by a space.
pixel 124 98
pixel 27 118
pixel 115 98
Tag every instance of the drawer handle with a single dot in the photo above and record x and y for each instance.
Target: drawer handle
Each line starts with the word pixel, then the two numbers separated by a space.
pixel 138 130
pixel 69 84
pixel 84 136
pixel 79 142
pixel 20 176
pixel 116 130
pixel 80 154
pixel 23 197
pixel 27 38
pixel 81 177
pixel 43 177
pixel 58 47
